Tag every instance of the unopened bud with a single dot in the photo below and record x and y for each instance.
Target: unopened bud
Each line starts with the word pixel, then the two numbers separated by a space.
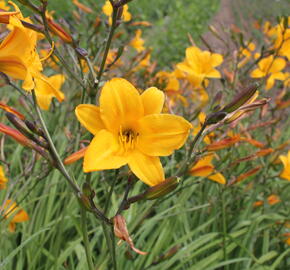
pixel 34 128
pixel 215 117
pixel 82 52
pixel 88 191
pixel 86 202
pixel 162 189
pixel 241 98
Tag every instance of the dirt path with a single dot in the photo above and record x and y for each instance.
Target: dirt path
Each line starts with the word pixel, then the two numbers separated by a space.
pixel 222 22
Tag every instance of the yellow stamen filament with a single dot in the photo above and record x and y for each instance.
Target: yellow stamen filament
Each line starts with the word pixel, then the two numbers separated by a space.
pixel 49 53
pixel 128 139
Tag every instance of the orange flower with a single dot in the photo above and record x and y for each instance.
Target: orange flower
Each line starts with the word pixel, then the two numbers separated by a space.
pixel 204 168
pixel 14 213
pixel 3 179
pixel 286 163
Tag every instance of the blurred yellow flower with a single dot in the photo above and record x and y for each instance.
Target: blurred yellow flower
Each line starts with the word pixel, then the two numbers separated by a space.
pixel 3 5
pixel 3 179
pixel 12 210
pixel 130 129
pixel 271 67
pixel 199 65
pixel 205 168
pixel 108 10
pixel 137 42
pixel 20 60
pixel 47 89
pixel 246 52
pixel 286 163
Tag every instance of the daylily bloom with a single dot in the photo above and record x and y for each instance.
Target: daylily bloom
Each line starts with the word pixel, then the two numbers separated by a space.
pixel 137 42
pixel 20 60
pixel 205 168
pixel 12 210
pixel 271 67
pixel 247 53
pixel 286 163
pixel 130 129
pixel 3 5
pixel 108 10
pixel 45 90
pixel 3 179
pixel 199 65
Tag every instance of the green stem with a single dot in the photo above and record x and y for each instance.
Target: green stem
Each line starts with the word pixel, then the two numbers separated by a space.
pixel 86 238
pixel 53 150
pixel 190 158
pixel 110 239
pixel 224 225
pixel 107 47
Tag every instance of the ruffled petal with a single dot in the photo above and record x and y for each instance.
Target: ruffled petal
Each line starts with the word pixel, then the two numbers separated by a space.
pixel 148 169
pixel 100 154
pixel 90 118
pixel 161 134
pixel 120 105
pixel 153 100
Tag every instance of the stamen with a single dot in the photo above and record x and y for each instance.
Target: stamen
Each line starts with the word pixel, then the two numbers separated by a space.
pixel 128 139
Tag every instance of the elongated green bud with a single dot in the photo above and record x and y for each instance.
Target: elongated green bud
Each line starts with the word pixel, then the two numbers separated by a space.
pixel 241 98
pixel 161 189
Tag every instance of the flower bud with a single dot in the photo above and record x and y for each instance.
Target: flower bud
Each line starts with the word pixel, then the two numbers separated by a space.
pixel 161 189
pixel 241 98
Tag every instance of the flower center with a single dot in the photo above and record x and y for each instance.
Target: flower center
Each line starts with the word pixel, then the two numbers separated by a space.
pixel 128 139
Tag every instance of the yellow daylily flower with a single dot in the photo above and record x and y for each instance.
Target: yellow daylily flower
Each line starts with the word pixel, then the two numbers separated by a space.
pixel 205 168
pixel 286 163
pixel 20 60
pixel 271 67
pixel 169 79
pixel 282 43
pixel 45 90
pixel 246 52
pixel 129 128
pixel 3 179
pixel 18 214
pixel 199 65
pixel 108 11
pixel 137 42
pixel 3 5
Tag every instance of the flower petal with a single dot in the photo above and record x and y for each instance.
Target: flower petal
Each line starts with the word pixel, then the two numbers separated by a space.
pixel 257 73
pixel 277 65
pixel 120 105
pixel 218 177
pixel 20 216
pixel 213 73
pixel 153 100
pixel 100 154
pixel 161 134
pixel 89 116
pixel 147 169
pixel 216 59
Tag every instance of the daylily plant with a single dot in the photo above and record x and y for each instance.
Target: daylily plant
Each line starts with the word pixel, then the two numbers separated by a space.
pixel 129 128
